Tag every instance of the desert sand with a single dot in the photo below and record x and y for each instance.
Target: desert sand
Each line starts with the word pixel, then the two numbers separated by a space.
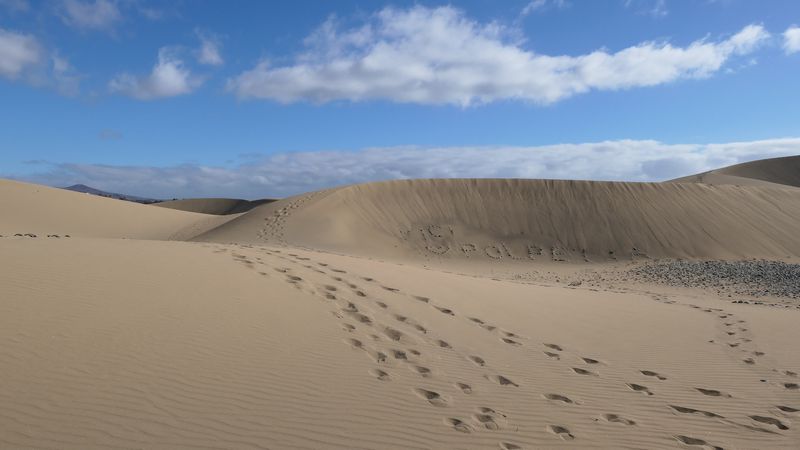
pixel 419 314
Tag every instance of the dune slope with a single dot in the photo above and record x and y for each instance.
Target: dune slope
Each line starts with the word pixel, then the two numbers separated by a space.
pixel 144 344
pixel 524 220
pixel 765 172
pixel 217 206
pixel 41 210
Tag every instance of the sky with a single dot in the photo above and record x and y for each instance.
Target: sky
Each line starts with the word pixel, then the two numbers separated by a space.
pixel 254 99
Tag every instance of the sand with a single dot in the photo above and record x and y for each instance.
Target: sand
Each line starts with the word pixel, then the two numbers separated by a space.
pixel 320 322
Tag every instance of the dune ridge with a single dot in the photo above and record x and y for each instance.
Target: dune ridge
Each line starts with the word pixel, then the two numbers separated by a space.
pixel 530 220
pixel 773 172
pixel 217 206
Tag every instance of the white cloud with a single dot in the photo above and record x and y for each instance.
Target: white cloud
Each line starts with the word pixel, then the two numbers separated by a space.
pixel 90 15
pixel 791 39
pixel 65 78
pixel 169 78
pixel 209 51
pixel 654 8
pixel 292 173
pixel 540 5
pixel 16 6
pixel 18 52
pixel 439 56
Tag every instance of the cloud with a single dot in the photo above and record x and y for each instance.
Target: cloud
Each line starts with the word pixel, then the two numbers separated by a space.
pixel 654 8
pixel 18 53
pixel 791 40
pixel 16 6
pixel 209 51
pixel 65 78
pixel 169 78
pixel 23 58
pixel 90 15
pixel 293 173
pixel 439 56
pixel 540 5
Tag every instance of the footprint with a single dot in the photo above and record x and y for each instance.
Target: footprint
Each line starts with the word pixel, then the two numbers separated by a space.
pixel 458 425
pixel 447 311
pixel 509 446
pixel 770 421
pixel 380 374
pixel 502 381
pixel 684 410
pixel 478 321
pixel 338 271
pixel 553 355
pixel 362 318
pixel 390 289
pixel 400 318
pixel 355 343
pixel 379 357
pixel 400 355
pixel 791 386
pixel 420 328
pixel 487 421
pixel 558 398
pixel 422 299
pixel 348 327
pixel 749 361
pixel 580 371
pixel 478 360
pixel 590 361
pixel 443 344
pixel 615 418
pixel 465 388
pixel 360 293
pixel 393 334
pixel 330 296
pixel 790 373
pixel 712 392
pixel 351 308
pixel 639 388
pixel 696 442
pixel 381 304
pixel 650 373
pixel 424 372
pixel 330 288
pixel 434 398
pixel 561 431
pixel 554 347
pixel 510 341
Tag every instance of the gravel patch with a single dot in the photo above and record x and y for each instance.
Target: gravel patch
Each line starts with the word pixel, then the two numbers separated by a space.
pixel 757 278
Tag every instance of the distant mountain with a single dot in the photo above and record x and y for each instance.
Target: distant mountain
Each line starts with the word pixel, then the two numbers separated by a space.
pixel 90 190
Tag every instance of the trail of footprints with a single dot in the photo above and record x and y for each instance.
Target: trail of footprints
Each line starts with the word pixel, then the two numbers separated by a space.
pixel 391 338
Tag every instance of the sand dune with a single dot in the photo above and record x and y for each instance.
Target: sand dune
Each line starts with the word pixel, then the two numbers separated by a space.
pixel 424 314
pixel 217 206
pixel 528 220
pixel 766 172
pixel 42 210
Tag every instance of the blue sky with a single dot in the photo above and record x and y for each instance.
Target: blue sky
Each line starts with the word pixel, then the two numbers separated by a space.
pixel 255 99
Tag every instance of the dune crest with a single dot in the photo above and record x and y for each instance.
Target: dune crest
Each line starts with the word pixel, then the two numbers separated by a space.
pixel 529 220
pixel 775 172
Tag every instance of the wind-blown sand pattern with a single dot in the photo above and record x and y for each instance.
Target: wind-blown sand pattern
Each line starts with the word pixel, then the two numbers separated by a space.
pixel 413 314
